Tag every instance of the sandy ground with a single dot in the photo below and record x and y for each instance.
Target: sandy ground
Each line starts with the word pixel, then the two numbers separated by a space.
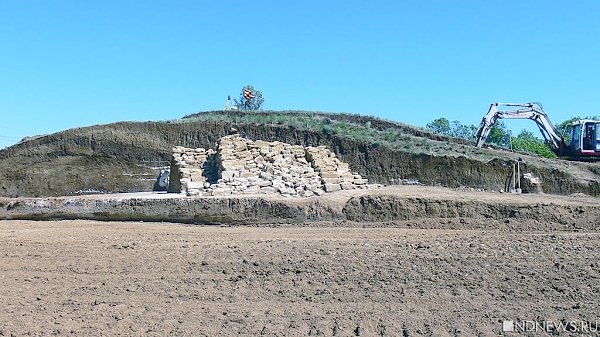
pixel 405 191
pixel 157 279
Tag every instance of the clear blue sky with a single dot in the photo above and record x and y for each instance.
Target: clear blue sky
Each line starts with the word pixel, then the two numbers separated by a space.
pixel 66 64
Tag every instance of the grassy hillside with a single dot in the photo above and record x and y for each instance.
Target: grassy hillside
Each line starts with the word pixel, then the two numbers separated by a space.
pixel 127 156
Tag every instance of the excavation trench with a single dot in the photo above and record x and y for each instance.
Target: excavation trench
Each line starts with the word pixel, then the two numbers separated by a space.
pixel 385 205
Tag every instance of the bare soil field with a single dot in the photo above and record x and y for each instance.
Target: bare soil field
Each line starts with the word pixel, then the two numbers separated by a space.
pixel 88 278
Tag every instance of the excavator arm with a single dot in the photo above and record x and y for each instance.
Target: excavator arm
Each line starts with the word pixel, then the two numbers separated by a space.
pixel 531 111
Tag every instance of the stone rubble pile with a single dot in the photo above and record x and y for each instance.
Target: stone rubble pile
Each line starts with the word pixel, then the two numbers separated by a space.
pixel 242 166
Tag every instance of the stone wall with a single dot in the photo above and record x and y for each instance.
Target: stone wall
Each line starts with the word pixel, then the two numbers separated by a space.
pixel 334 173
pixel 187 173
pixel 242 166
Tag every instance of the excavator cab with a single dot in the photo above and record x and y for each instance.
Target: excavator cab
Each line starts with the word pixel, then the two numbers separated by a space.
pixel 586 138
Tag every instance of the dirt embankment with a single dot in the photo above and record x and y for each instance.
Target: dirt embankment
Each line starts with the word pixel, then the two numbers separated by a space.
pixel 127 157
pixel 399 203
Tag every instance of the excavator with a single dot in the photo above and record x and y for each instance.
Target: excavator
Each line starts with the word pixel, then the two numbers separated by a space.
pixel 585 140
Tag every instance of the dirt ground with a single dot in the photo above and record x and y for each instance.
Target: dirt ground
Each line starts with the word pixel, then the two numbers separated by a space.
pixel 387 204
pixel 92 278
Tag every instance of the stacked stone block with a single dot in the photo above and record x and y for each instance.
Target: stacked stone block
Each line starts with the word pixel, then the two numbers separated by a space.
pixel 187 170
pixel 243 166
pixel 335 175
pixel 260 167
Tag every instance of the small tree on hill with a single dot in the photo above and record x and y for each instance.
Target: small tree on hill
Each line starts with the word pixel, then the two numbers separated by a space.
pixel 527 142
pixel 500 135
pixel 463 131
pixel 250 99
pixel 454 129
pixel 440 126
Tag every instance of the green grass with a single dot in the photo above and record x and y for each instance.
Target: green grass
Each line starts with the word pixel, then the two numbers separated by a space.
pixel 392 137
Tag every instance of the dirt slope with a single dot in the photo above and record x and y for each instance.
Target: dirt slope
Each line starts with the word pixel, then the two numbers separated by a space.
pixel 127 157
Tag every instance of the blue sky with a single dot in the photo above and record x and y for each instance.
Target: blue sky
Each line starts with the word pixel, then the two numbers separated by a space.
pixel 66 64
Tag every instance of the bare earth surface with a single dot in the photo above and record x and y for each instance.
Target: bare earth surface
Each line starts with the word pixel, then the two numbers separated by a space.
pixel 393 203
pixel 157 279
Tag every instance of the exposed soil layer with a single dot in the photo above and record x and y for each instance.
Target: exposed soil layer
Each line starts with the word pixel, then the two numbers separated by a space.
pixel 397 203
pixel 128 156
pixel 86 278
